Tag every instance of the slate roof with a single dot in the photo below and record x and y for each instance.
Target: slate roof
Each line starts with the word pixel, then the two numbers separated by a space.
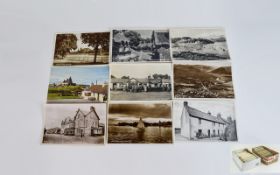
pixel 199 114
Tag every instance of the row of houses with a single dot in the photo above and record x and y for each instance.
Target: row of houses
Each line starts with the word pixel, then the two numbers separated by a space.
pixel 196 124
pixel 140 84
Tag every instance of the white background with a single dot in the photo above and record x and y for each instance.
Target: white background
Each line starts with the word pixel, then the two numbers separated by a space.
pixel 26 46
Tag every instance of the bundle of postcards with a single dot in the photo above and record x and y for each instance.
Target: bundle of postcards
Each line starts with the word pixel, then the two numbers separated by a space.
pixel 246 159
pixel 141 86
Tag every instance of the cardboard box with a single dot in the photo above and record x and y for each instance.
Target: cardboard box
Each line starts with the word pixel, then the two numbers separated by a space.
pixel 267 155
pixel 245 159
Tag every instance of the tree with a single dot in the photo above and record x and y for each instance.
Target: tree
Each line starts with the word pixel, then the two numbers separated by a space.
pixel 96 40
pixel 134 37
pixel 64 44
pixel 125 77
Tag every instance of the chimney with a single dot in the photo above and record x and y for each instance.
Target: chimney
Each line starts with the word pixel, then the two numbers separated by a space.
pixel 186 104
pixel 209 112
pixel 92 108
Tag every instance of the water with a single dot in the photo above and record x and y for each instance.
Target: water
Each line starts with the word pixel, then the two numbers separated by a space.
pixel 128 134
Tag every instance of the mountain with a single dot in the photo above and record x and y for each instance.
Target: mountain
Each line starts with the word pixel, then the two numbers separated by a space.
pixel 222 70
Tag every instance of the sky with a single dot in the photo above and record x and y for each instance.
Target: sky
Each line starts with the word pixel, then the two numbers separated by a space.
pixel 134 111
pixel 55 113
pixel 224 107
pixel 80 44
pixel 206 33
pixel 140 70
pixel 80 75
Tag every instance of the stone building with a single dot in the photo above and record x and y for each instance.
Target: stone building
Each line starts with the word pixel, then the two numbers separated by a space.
pixel 196 124
pixel 83 124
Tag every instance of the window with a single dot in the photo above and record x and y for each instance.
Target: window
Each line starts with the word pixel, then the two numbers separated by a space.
pixel 199 121
pixel 213 123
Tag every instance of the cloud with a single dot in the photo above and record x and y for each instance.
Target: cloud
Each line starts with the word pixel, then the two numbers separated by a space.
pixel 141 110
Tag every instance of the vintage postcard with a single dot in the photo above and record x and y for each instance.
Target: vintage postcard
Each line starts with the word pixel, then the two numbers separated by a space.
pixel 75 123
pixel 203 80
pixel 140 123
pixel 140 45
pixel 75 84
pixel 204 120
pixel 199 44
pixel 82 48
pixel 140 82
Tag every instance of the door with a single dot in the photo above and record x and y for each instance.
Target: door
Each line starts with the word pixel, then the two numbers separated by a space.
pixel 209 132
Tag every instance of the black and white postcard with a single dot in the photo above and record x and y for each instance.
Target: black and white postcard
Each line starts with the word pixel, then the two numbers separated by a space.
pixel 199 44
pixel 143 45
pixel 204 120
pixel 140 82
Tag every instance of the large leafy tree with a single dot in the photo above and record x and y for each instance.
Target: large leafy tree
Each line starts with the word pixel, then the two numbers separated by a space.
pixel 96 40
pixel 134 37
pixel 64 44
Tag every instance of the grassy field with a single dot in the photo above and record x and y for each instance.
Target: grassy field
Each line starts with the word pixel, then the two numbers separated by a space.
pixel 56 96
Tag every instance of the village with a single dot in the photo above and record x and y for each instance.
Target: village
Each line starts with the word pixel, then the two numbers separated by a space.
pixel 140 45
pixel 67 90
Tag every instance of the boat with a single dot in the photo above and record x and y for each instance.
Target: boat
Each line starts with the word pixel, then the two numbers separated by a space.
pixel 140 124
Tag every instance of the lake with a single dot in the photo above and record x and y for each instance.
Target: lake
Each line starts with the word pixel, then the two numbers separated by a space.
pixel 129 134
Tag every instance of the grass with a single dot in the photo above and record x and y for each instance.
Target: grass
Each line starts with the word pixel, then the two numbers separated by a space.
pixel 56 96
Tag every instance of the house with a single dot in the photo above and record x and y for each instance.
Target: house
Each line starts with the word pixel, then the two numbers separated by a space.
pixel 196 124
pixel 67 82
pixel 140 84
pixel 83 124
pixel 96 92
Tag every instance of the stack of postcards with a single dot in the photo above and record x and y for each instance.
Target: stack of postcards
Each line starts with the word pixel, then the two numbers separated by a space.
pixel 267 155
pixel 245 159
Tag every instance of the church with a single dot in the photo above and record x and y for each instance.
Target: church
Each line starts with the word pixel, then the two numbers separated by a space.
pixel 83 124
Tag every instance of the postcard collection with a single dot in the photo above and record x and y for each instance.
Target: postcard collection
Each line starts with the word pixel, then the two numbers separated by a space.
pixel 140 86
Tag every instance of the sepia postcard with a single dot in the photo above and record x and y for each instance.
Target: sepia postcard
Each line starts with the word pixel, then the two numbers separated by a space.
pixel 140 82
pixel 143 45
pixel 140 123
pixel 203 80
pixel 76 84
pixel 75 123
pixel 81 49
pixel 204 120
pixel 199 44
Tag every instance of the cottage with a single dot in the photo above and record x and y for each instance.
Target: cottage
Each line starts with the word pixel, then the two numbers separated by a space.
pixel 196 124
pixel 83 124
pixel 96 93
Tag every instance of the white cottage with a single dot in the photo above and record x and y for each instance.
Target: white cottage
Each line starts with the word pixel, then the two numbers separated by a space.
pixel 196 124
